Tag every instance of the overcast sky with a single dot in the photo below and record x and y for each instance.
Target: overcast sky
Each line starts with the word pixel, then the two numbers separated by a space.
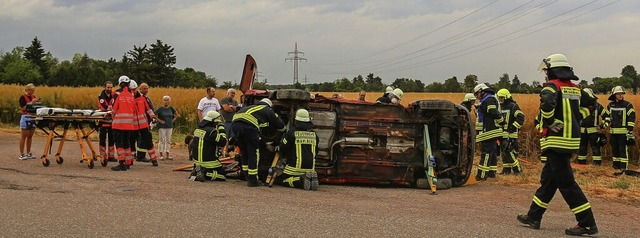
pixel 429 40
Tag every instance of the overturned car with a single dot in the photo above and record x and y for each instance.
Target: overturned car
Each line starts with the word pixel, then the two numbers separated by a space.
pixel 373 143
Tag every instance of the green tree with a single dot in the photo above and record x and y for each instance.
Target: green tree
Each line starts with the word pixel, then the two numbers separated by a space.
pixel 161 60
pixel 515 85
pixel 358 83
pixel 35 54
pixel 503 82
pixel 470 82
pixel 139 65
pixel 629 73
pixel 434 87
pixel 452 85
pixel 343 85
pixel 374 83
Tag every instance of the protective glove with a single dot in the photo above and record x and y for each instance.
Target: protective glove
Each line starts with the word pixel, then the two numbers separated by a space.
pixel 602 140
pixel 556 126
pixel 630 138
pixel 220 128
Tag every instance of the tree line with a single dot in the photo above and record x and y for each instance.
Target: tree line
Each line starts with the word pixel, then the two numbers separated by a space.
pixel 154 64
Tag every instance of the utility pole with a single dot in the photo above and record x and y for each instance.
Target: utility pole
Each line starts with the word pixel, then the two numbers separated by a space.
pixel 295 58
pixel 305 79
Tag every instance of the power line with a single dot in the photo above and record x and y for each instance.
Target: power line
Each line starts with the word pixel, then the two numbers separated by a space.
pixel 418 37
pixel 448 57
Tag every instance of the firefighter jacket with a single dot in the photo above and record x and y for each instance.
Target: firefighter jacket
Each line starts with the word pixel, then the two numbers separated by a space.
pixel 124 112
pixel 259 115
pixel 591 123
pixel 104 102
pixel 143 111
pixel 560 104
pixel 490 117
pixel 620 116
pixel 514 118
pixel 207 141
pixel 299 146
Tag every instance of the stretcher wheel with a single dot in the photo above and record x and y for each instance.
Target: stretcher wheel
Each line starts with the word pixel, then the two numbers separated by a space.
pixel 90 164
pixel 104 162
pixel 60 160
pixel 46 163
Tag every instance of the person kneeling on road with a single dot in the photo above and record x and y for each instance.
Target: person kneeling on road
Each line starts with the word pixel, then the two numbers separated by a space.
pixel 299 147
pixel 205 147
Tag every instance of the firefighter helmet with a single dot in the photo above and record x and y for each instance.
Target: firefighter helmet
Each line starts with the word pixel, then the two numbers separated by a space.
pixel 554 60
pixel 267 101
pixel 480 87
pixel 469 97
pixel 590 92
pixel 398 93
pixel 123 79
pixel 389 89
pixel 212 116
pixel 504 93
pixel 303 115
pixel 133 84
pixel 615 90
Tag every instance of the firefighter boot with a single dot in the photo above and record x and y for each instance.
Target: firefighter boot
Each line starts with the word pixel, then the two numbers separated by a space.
pixel 524 219
pixel 306 181
pixel 120 167
pixel 579 231
pixel 154 162
pixel 506 171
pixel 252 181
pixel 200 174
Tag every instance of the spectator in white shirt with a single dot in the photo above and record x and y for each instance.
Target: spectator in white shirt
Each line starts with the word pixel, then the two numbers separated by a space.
pixel 208 103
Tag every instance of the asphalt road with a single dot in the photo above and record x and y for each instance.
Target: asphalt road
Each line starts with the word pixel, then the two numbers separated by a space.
pixel 70 200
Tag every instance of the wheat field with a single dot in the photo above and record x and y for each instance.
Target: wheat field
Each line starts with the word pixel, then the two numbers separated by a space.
pixel 185 101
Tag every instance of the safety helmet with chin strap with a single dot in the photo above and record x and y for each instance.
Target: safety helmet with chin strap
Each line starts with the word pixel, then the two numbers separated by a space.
pixel 553 61
pixel 480 87
pixel 503 93
pixel 469 97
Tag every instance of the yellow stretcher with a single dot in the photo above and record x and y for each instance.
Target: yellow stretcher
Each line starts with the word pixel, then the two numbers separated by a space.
pixel 49 123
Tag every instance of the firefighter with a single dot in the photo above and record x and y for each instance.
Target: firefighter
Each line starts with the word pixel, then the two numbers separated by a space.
pixel 106 134
pixel 246 126
pixel 620 117
pixel 143 137
pixel 591 131
pixel 299 147
pixel 208 139
pixel 469 101
pixel 514 118
pixel 561 114
pixel 123 123
pixel 385 97
pixel 491 118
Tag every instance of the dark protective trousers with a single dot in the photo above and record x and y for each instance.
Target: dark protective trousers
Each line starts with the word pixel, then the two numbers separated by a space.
pixel 106 137
pixel 619 151
pixel 586 140
pixel 144 145
pixel 247 138
pixel 557 174
pixel 509 155
pixel 488 160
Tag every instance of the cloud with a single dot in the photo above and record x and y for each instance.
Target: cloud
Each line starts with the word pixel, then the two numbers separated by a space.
pixel 426 40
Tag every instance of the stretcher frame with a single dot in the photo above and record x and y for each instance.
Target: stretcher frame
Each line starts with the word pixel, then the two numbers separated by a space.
pixel 48 124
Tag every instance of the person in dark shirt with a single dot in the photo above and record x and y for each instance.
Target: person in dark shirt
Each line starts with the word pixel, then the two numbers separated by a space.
pixel 167 115
pixel 27 126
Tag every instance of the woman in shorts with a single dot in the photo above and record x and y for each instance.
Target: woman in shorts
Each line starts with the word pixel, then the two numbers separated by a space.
pixel 27 126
